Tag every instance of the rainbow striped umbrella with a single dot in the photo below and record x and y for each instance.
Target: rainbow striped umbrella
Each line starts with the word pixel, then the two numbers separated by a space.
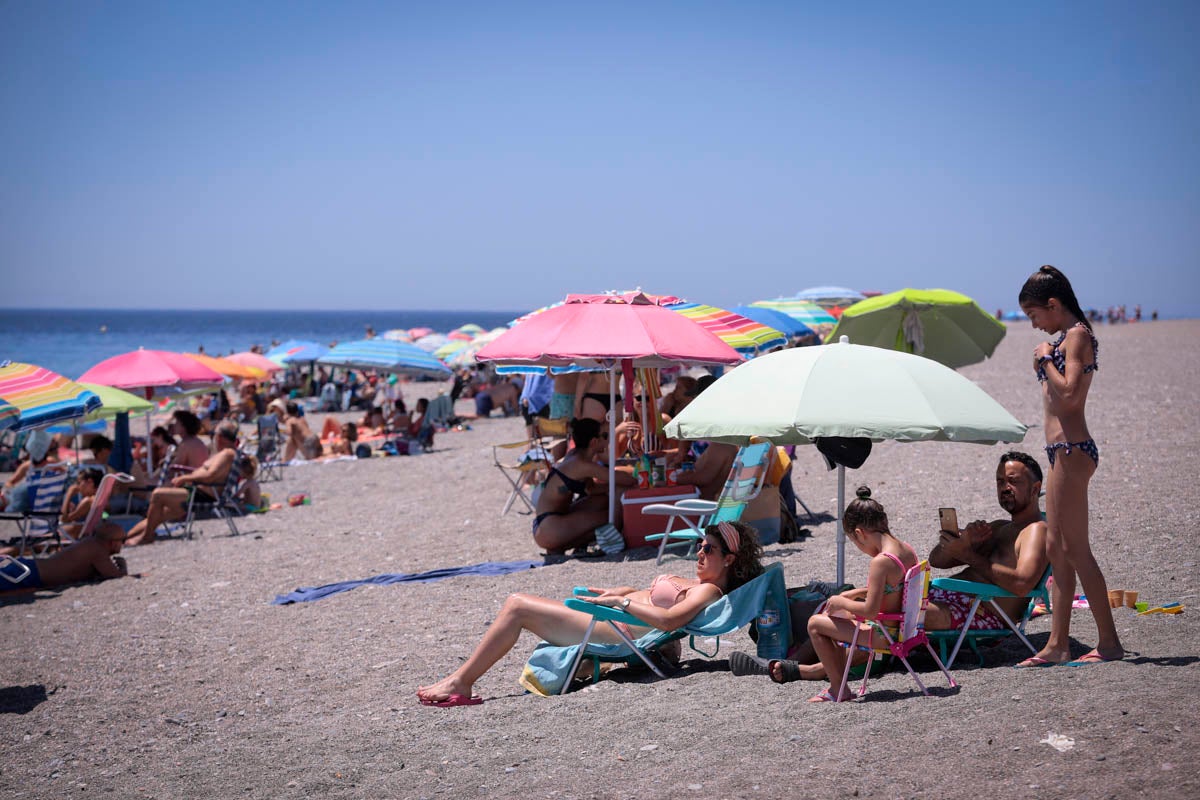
pixel 810 314
pixel 8 415
pixel 42 397
pixel 744 335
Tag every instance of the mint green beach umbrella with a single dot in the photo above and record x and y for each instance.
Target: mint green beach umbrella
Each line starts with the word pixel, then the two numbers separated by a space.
pixel 946 326
pixel 844 390
pixel 115 401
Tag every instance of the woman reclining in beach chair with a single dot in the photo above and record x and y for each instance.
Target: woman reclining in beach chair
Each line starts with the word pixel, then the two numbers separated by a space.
pixel 728 557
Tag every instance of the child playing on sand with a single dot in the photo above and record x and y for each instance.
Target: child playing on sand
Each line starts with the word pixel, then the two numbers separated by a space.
pixel 1065 369
pixel 866 525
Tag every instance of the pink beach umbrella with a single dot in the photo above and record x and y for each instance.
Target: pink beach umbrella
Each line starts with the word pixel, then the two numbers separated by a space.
pixel 256 360
pixel 150 373
pixel 608 331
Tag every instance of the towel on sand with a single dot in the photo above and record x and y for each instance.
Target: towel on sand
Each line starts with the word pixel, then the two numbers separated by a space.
pixel 487 568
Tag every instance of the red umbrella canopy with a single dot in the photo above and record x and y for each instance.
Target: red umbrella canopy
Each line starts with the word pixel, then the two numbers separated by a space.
pixel 144 371
pixel 591 329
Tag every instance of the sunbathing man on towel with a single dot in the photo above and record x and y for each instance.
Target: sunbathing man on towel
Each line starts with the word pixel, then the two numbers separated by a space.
pixel 169 503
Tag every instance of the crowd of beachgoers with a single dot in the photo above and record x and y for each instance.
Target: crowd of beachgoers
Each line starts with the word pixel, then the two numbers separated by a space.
pixel 185 680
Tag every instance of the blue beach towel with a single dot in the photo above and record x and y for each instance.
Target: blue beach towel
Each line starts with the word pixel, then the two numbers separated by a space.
pixel 487 568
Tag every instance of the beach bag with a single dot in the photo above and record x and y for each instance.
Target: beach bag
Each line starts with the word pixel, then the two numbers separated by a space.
pixel 363 451
pixel 609 539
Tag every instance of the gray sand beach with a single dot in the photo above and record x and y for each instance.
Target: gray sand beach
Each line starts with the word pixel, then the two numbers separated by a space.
pixel 185 682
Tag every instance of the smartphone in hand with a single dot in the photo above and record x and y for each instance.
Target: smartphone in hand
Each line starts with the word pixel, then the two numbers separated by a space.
pixel 949 520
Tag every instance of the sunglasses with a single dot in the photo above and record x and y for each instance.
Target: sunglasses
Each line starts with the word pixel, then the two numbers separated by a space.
pixel 707 548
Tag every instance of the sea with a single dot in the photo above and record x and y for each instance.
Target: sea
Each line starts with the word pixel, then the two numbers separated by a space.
pixel 71 341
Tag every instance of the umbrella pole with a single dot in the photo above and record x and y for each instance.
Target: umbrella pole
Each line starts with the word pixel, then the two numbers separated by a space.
pixel 841 532
pixel 149 456
pixel 612 449
pixel 75 439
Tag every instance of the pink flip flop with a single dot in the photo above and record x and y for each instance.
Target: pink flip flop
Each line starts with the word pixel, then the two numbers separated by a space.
pixel 453 701
pixel 1091 657
pixel 1034 662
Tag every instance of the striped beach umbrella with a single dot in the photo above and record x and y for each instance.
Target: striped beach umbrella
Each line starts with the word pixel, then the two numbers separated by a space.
pixel 744 335
pixel 450 348
pixel 431 341
pixel 42 397
pixel 8 415
pixel 778 320
pixel 810 314
pixel 380 354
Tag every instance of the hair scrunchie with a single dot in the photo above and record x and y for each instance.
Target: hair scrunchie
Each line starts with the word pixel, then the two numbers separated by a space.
pixel 730 534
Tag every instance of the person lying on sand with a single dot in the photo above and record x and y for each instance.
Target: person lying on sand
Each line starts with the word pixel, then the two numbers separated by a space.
pixel 728 557
pixel 169 503
pixel 92 557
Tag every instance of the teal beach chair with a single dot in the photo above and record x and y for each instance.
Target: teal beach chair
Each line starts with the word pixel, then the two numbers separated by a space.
pixel 551 668
pixel 990 593
pixel 745 481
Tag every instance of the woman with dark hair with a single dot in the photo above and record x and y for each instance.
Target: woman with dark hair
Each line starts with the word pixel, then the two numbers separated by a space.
pixel 728 557
pixel 1065 368
pixel 866 525
pixel 574 497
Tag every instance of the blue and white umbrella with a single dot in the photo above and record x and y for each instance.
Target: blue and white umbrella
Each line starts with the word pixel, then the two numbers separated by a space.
pixel 386 356
pixel 830 296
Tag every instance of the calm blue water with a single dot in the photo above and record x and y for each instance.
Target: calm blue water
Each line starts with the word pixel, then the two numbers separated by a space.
pixel 70 341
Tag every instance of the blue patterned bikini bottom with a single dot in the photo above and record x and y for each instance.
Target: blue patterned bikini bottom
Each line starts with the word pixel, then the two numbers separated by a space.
pixel 1088 446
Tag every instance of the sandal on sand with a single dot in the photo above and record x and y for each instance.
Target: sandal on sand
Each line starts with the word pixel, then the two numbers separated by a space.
pixel 745 664
pixel 790 670
pixel 823 697
pixel 1034 662
pixel 454 700
pixel 1092 657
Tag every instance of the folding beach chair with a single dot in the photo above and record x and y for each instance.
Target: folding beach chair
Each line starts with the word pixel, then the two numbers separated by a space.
pixel 550 669
pixel 526 469
pixel 905 633
pixel 99 503
pixel 990 593
pixel 223 505
pixel 745 481
pixel 46 487
pixel 269 448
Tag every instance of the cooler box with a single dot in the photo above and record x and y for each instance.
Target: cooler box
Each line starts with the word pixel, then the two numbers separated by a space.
pixel 638 525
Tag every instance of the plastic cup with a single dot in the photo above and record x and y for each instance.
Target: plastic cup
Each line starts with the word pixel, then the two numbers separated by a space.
pixel 1141 606
pixel 1116 598
pixel 1131 599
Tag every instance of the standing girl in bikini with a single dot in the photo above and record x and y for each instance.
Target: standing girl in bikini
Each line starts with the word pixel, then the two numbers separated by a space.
pixel 866 524
pixel 1065 369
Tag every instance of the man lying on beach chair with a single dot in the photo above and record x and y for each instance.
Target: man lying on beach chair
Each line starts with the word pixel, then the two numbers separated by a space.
pixel 169 503
pixel 728 558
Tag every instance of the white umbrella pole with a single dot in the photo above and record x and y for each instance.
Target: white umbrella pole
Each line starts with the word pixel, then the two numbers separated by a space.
pixel 841 532
pixel 612 450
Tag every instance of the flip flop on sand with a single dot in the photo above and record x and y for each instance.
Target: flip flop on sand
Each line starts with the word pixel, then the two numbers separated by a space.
pixel 826 697
pixel 1034 662
pixel 1092 657
pixel 745 664
pixel 453 700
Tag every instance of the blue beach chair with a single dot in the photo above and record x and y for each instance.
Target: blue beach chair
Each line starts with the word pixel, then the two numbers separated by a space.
pixel 990 593
pixel 551 668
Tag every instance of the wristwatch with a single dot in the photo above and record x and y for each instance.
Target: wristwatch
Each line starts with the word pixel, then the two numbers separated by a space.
pixel 625 604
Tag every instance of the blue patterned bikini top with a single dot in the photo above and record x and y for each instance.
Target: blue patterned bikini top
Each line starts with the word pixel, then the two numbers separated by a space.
pixel 1059 358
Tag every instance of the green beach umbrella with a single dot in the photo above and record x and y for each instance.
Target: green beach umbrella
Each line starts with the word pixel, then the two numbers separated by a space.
pixel 115 401
pixel 946 326
pixel 844 390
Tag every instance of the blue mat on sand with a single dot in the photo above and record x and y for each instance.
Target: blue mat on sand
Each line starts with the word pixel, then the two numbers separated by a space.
pixel 488 568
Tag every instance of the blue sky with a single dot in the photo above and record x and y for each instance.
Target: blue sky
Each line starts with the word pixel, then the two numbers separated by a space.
pixel 498 155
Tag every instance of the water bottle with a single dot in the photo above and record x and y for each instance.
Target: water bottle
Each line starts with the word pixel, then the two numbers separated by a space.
pixel 770 631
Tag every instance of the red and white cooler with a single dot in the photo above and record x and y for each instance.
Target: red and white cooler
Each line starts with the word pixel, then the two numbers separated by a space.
pixel 637 526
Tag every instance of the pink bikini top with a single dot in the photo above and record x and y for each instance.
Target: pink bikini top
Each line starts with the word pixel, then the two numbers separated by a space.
pixel 667 590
